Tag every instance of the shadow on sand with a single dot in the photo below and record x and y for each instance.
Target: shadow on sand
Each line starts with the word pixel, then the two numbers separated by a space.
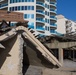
pixel 4 53
pixel 31 56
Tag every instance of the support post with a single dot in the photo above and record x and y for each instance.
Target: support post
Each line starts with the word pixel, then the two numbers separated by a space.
pixel 61 55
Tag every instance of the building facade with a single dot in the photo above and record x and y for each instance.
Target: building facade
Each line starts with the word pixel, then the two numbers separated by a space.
pixel 64 25
pixel 70 26
pixel 41 14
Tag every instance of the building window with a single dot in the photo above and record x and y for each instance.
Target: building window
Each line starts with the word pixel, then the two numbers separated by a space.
pixel 40 27
pixel 25 15
pixel 15 1
pixel 52 30
pixel 25 7
pixel 48 14
pixel 48 28
pixel 23 0
pixel 45 12
pixel 45 27
pixel 46 6
pixel 16 8
pixel 29 7
pixel 48 21
pixel 31 25
pixel 29 16
pixel 32 7
pixel 22 7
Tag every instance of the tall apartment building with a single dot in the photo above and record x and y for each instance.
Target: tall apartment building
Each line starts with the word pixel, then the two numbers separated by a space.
pixel 41 14
pixel 64 25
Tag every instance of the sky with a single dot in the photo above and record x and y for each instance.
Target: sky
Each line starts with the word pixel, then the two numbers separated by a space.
pixel 67 8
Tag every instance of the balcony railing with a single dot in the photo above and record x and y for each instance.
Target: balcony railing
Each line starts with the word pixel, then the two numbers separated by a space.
pixel 40 11
pixel 53 25
pixel 53 17
pixel 52 31
pixel 53 10
pixel 53 3
pixel 40 19
pixel 40 3
pixel 40 28
pixel 3 5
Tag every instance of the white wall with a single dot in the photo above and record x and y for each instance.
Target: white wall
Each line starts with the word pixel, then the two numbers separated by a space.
pixel 61 28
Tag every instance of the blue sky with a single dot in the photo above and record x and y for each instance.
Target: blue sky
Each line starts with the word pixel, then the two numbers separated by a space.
pixel 67 8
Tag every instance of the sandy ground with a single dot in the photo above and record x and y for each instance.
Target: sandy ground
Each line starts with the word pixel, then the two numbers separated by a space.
pixel 68 65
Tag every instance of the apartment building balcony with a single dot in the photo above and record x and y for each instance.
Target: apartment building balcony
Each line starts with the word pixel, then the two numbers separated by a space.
pixel 53 18
pixel 4 5
pixel 41 20
pixel 41 29
pixel 53 4
pixel 52 31
pixel 40 12
pixel 53 11
pixel 69 29
pixel 40 4
pixel 53 26
pixel 68 25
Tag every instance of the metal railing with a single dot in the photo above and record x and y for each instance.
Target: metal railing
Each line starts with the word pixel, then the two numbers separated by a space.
pixel 40 19
pixel 40 3
pixel 40 11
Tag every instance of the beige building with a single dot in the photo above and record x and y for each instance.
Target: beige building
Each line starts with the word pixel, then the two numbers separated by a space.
pixel 61 27
pixel 65 25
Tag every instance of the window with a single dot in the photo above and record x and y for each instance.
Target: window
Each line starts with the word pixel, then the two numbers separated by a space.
pixel 23 0
pixel 21 8
pixel 25 7
pixel 15 8
pixel 32 7
pixel 29 16
pixel 48 20
pixel 39 27
pixel 45 12
pixel 28 0
pixel 15 1
pixel 18 7
pixel 12 8
pixel 48 28
pixel 46 5
pixel 32 0
pixel 45 27
pixel 52 31
pixel 32 16
pixel 45 20
pixel 48 14
pixel 31 25
pixel 29 7
pixel 25 15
